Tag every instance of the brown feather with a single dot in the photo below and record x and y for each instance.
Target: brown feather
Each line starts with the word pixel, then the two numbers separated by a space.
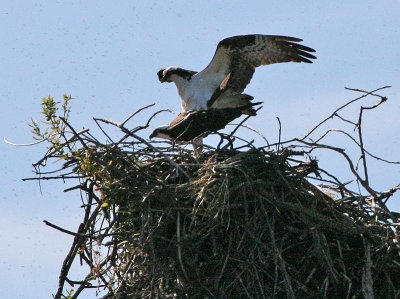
pixel 238 56
pixel 190 125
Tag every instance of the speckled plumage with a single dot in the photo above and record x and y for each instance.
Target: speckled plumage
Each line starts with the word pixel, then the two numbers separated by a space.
pixel 190 125
pixel 232 68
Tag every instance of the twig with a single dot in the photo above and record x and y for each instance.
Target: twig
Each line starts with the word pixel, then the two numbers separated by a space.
pixel 125 130
pixel 54 177
pixel 69 232
pixel 350 163
pixel 342 107
pixel 357 143
pixel 179 244
pixel 102 130
pixel 253 130
pixel 76 134
pixel 242 122
pixel 23 144
pixel 279 133
pixel 135 113
pixel 67 265
pixel 360 135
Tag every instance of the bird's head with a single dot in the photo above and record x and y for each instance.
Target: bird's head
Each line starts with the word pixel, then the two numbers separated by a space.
pixel 168 74
pixel 160 132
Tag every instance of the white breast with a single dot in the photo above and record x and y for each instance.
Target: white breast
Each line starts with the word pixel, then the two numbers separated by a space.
pixel 197 92
pixel 196 95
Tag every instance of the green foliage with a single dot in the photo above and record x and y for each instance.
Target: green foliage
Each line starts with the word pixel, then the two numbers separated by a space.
pixel 55 118
pixel 49 106
pixel 88 160
pixel 55 130
pixel 69 295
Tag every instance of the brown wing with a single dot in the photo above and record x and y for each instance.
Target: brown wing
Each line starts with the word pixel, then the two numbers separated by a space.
pixel 249 52
pixel 236 58
pixel 189 125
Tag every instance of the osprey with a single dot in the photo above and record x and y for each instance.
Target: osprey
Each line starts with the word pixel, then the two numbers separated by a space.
pixel 193 125
pixel 222 82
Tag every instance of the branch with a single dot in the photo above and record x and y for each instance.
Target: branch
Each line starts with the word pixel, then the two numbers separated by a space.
pixel 70 232
pixel 344 106
pixel 23 144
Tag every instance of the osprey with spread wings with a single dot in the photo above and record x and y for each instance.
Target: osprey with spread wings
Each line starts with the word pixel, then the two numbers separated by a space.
pixel 221 84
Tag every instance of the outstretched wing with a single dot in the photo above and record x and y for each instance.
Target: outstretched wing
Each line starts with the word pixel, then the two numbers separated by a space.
pixel 236 58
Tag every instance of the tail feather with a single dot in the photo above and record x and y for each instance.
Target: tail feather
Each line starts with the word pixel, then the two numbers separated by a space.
pixel 236 101
pixel 249 110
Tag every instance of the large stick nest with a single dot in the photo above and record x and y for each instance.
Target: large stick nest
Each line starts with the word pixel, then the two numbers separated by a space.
pixel 231 222
pixel 245 224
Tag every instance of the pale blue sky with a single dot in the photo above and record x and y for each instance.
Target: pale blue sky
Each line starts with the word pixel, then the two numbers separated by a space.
pixel 106 54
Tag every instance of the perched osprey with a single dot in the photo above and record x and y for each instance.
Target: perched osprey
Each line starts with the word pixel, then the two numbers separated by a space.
pixel 221 83
pixel 192 125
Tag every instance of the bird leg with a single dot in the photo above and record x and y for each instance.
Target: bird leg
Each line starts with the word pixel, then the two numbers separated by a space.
pixel 197 145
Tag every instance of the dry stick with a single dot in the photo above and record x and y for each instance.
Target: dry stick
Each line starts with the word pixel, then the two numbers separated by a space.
pixel 61 145
pixel 225 262
pixel 280 133
pixel 359 125
pixel 53 171
pixel 90 277
pixel 23 144
pixel 242 122
pixel 261 287
pixel 336 182
pixel 101 128
pixel 271 227
pixel 67 265
pixel 91 138
pixel 74 282
pixel 368 92
pixel 345 120
pixel 78 136
pixel 223 137
pixel 178 237
pixel 350 163
pixel 62 134
pixel 90 197
pixel 54 178
pixel 360 137
pixel 231 134
pixel 244 287
pixel 135 113
pixel 253 130
pixel 280 263
pixel 97 271
pixel 126 131
pixel 343 106
pixel 69 232
pixel 366 278
pixel 163 155
pixel 72 253
pixel 357 143
pixel 146 125
pixel 89 261
pixel 389 194
pixel 129 264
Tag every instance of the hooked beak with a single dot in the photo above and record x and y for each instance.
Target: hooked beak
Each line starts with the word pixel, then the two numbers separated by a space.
pixel 161 76
pixel 154 134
